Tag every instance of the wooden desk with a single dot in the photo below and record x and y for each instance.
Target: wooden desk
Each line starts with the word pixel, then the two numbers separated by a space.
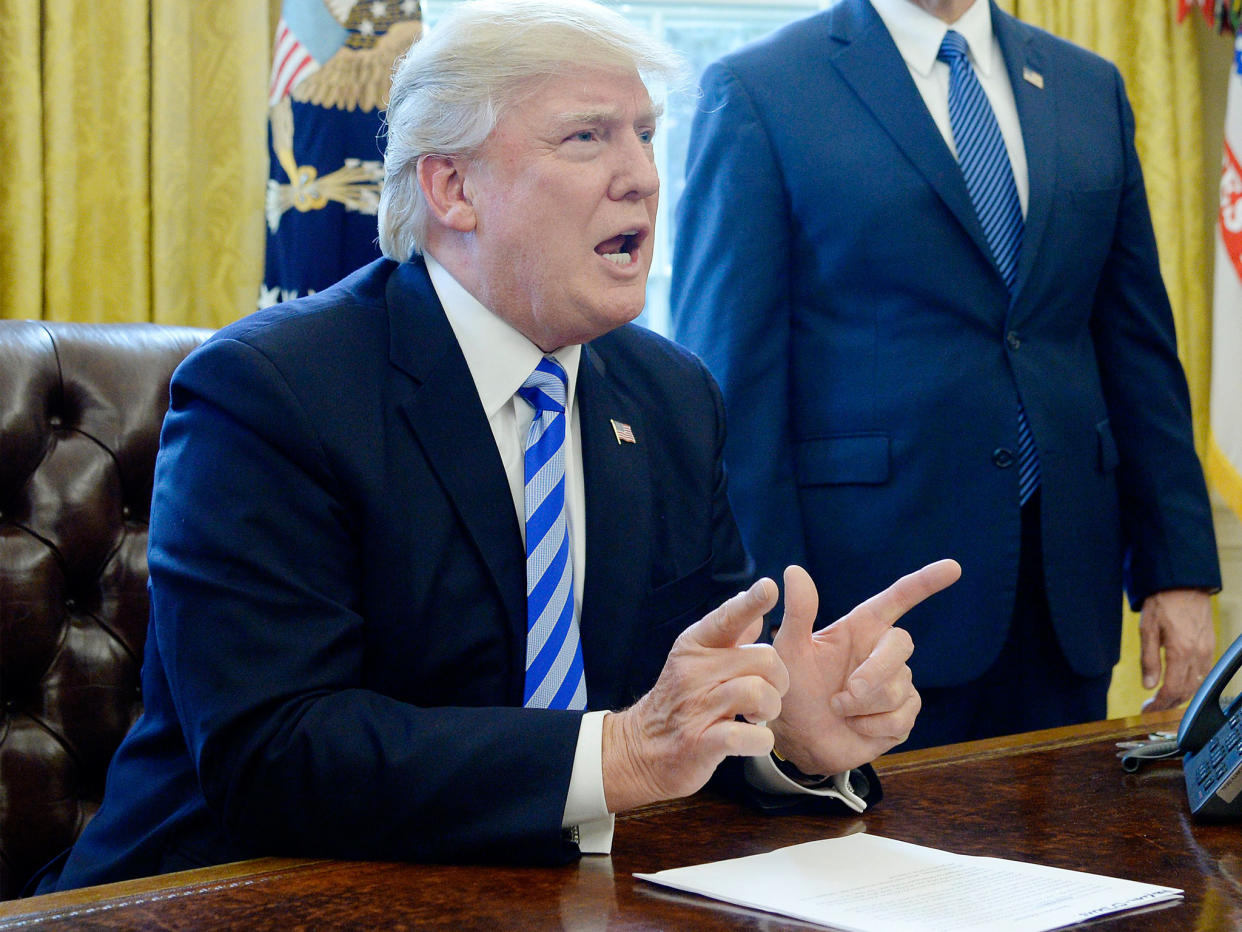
pixel 1057 797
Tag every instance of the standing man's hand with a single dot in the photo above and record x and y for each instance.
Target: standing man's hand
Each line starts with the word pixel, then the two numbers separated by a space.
pixel 668 744
pixel 1180 621
pixel 850 697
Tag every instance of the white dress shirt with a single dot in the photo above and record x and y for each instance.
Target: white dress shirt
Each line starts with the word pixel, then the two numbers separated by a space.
pixel 500 360
pixel 918 34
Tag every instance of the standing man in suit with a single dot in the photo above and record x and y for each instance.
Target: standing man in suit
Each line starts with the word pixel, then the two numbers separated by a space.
pixel 915 250
pixel 352 653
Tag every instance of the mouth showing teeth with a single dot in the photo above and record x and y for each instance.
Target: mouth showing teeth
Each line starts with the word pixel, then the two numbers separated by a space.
pixel 620 249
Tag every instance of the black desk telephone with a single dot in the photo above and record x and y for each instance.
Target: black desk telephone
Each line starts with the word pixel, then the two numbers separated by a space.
pixel 1211 740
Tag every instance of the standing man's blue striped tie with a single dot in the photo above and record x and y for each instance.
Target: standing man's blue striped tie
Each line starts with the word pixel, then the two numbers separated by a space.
pixel 554 678
pixel 989 179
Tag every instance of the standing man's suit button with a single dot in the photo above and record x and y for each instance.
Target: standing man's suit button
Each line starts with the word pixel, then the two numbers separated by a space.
pixel 1003 458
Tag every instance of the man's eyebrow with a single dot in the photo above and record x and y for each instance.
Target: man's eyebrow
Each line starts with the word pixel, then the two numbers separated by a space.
pixel 607 115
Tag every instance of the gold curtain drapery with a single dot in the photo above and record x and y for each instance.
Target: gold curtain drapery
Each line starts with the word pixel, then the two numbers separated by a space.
pixel 134 159
pixel 1159 61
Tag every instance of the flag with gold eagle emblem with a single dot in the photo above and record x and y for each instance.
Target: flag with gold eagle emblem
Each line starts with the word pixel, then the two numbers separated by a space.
pixel 1224 461
pixel 331 66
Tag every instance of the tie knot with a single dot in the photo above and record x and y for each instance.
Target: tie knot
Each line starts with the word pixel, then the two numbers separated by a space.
pixel 953 49
pixel 546 388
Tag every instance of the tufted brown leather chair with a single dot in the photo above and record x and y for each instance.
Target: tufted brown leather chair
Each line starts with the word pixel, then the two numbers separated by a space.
pixel 80 413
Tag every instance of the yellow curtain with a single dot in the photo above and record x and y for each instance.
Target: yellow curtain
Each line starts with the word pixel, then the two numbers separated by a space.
pixel 1159 60
pixel 134 159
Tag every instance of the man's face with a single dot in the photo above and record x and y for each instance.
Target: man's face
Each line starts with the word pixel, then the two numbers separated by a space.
pixel 564 193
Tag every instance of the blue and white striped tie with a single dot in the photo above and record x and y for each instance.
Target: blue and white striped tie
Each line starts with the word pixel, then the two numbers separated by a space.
pixel 554 678
pixel 989 179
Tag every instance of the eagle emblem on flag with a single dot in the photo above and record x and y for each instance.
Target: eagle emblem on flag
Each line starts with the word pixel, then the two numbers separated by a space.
pixel 332 63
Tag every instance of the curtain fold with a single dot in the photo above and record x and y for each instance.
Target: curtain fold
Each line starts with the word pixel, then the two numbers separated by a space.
pixel 21 160
pixel 134 159
pixel 96 132
pixel 209 158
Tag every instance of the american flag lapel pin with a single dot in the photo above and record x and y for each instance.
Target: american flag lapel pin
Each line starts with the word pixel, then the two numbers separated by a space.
pixel 1031 76
pixel 622 431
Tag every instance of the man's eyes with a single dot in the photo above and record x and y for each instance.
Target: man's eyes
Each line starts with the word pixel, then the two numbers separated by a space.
pixel 645 136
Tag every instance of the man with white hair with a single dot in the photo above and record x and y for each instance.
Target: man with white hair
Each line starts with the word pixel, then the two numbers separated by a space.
pixel 351 652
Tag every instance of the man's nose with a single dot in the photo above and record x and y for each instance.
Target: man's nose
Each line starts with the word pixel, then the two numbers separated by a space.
pixel 636 176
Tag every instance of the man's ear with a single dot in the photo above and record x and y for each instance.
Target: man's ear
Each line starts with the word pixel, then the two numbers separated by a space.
pixel 443 182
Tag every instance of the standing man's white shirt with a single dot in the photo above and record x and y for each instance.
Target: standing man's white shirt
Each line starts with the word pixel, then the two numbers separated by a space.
pixel 918 34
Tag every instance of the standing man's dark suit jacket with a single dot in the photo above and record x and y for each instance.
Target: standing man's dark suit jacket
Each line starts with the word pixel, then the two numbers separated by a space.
pixel 336 656
pixel 831 271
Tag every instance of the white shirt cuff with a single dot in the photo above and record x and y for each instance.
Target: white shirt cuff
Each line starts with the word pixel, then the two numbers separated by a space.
pixel 585 807
pixel 763 774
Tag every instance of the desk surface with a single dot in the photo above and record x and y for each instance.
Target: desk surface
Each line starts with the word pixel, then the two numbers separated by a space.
pixel 1056 797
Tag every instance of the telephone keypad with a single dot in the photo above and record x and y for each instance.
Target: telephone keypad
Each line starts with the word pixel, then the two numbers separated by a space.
pixel 1214 772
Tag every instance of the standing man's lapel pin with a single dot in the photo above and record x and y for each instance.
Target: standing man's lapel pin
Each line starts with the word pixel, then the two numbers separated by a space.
pixel 1031 76
pixel 623 432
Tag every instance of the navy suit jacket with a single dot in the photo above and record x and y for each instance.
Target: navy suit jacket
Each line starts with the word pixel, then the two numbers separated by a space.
pixel 336 654
pixel 830 269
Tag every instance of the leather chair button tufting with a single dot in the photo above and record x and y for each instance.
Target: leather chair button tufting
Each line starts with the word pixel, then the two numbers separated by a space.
pixel 110 381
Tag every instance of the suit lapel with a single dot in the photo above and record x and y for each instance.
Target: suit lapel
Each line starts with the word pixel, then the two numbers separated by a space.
pixel 448 422
pixel 1037 115
pixel 867 58
pixel 617 484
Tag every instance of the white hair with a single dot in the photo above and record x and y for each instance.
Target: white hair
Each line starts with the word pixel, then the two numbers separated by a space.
pixel 451 88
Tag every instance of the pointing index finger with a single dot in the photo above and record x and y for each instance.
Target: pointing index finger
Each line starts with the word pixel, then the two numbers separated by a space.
pixel 883 609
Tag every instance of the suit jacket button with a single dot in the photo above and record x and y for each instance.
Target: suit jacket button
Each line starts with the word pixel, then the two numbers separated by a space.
pixel 1013 339
pixel 1003 458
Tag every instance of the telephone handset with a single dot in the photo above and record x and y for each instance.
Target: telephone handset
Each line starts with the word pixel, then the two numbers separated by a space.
pixel 1211 740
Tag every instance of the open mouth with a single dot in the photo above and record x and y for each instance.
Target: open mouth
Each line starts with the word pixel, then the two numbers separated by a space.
pixel 621 249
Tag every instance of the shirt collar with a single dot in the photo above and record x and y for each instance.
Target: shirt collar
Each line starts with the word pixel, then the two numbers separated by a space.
pixel 918 34
pixel 500 358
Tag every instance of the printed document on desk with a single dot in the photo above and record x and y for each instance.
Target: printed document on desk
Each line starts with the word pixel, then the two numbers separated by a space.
pixel 865 883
